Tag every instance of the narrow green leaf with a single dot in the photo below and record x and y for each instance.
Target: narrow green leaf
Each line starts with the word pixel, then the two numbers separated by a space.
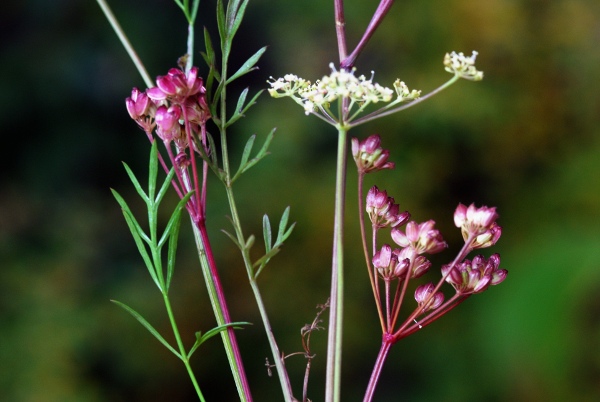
pixel 200 339
pixel 136 183
pixel 221 25
pixel 195 6
pixel 153 170
pixel 241 100
pixel 213 150
pixel 252 102
pixel 233 239
pixel 173 219
pixel 282 234
pixel 288 233
pixel 267 233
pixel 147 325
pixel 142 249
pixel 248 65
pixel 261 154
pixel 250 242
pixel 239 113
pixel 238 15
pixel 262 261
pixel 246 153
pixel 165 186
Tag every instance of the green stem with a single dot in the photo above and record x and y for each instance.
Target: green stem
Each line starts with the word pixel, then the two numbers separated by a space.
pixel 126 44
pixel 286 387
pixel 334 343
pixel 216 296
pixel 182 350
pixel 390 109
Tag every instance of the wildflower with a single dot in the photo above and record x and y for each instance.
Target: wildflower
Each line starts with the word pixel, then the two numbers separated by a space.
pixel 478 224
pixel 167 122
pixel 141 109
pixel 422 237
pixel 177 85
pixel 339 84
pixel 474 276
pixel 388 265
pixel 382 211
pixel 462 66
pixel 419 264
pixel 422 296
pixel 404 93
pixel 369 156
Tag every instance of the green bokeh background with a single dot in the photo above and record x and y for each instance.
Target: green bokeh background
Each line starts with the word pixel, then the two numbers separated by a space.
pixel 526 139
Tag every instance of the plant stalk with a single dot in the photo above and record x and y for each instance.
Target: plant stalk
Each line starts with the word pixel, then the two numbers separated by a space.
pixel 334 342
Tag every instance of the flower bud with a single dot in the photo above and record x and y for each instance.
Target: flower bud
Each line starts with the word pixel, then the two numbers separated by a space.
pixel 479 224
pixel 369 156
pixel 382 211
pixel 422 237
pixel 423 292
pixel 388 265
pixel 475 276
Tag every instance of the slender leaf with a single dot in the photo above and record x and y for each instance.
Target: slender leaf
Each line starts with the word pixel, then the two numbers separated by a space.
pixel 267 233
pixel 171 225
pixel 136 183
pixel 250 242
pixel 238 15
pixel 139 237
pixel 142 250
pixel 251 103
pixel 233 239
pixel 246 153
pixel 239 113
pixel 200 339
pixel 165 186
pixel 248 65
pixel 261 154
pixel 282 234
pixel 194 11
pixel 153 170
pixel 241 101
pixel 221 25
pixel 147 325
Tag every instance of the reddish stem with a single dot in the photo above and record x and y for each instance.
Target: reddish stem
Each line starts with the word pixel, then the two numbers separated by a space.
pixel 381 357
pixel 382 10
pixel 340 28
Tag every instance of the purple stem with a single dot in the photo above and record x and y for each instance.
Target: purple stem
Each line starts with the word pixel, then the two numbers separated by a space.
pixel 382 9
pixel 340 28
pixel 383 353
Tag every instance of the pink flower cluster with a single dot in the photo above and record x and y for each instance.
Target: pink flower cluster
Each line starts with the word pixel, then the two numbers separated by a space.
pixel 178 98
pixel 479 230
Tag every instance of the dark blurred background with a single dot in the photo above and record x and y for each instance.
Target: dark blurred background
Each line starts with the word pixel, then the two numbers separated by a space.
pixel 526 139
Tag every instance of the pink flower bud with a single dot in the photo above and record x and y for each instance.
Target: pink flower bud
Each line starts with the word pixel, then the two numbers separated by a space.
pixel 423 238
pixel 478 223
pixel 382 211
pixel 475 276
pixel 369 156
pixel 423 296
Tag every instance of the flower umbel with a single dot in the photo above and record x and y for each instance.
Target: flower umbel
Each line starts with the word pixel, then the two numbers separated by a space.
pixel 382 211
pixel 463 66
pixel 479 224
pixel 342 84
pixel 475 276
